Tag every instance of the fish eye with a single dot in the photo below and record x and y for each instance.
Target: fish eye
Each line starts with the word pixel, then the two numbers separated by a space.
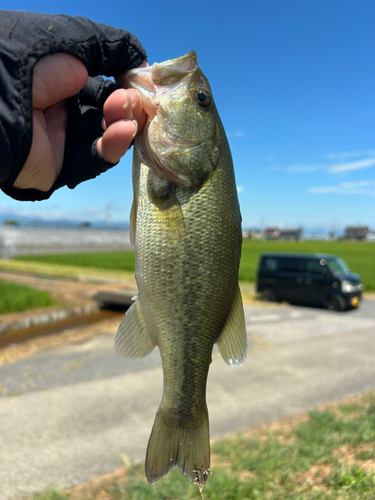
pixel 202 97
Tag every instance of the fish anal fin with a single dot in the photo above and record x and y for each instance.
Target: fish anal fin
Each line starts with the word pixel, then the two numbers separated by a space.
pixel 232 341
pixel 186 446
pixel 133 339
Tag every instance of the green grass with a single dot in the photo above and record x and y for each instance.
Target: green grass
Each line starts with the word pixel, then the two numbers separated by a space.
pixel 312 460
pixel 122 261
pixel 16 298
pixel 360 257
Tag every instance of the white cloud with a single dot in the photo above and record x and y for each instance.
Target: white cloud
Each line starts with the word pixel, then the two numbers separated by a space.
pixel 240 189
pixel 355 165
pixel 323 190
pixel 349 154
pixel 359 187
pixel 358 184
pixel 333 169
pixel 302 169
pixel 236 133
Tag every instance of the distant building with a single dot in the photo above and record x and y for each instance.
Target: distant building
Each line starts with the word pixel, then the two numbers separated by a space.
pixel 356 232
pixel 252 234
pixel 292 233
pixel 271 233
pixel 274 233
pixel 370 236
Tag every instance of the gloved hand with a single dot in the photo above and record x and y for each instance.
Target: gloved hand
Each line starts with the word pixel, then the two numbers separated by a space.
pixel 53 124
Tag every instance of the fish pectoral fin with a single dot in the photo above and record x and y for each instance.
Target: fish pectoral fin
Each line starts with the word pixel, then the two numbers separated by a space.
pixel 168 213
pixel 133 339
pixel 232 341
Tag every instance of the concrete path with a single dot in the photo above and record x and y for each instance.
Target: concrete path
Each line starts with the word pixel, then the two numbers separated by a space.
pixel 73 412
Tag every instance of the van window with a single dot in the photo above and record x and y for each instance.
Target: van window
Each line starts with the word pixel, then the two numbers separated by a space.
pixel 289 264
pixel 315 266
pixel 286 264
pixel 338 266
pixel 271 264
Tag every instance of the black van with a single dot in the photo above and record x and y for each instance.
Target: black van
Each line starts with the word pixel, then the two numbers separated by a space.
pixel 309 278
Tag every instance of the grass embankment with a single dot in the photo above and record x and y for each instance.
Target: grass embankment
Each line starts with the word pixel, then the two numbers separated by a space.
pixel 329 455
pixel 17 298
pixel 360 257
pixel 63 270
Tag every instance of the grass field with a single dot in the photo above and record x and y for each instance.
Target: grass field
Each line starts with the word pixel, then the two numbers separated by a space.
pixel 122 261
pixel 360 257
pixel 16 298
pixel 329 455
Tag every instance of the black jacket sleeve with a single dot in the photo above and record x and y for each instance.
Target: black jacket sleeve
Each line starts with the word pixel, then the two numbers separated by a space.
pixel 26 37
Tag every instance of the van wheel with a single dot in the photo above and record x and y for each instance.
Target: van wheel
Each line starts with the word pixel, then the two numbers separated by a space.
pixel 336 302
pixel 269 295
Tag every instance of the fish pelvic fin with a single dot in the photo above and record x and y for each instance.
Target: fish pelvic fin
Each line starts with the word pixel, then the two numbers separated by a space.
pixel 186 446
pixel 133 339
pixel 232 341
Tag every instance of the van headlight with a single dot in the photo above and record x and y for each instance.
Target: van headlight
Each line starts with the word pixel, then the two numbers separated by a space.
pixel 348 287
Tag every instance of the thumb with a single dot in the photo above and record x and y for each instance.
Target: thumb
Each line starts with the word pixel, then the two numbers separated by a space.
pixel 57 77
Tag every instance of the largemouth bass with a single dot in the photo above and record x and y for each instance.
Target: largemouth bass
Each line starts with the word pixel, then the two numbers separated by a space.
pixel 186 226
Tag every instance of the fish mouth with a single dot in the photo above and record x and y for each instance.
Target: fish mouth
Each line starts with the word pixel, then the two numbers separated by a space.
pixel 170 147
pixel 151 82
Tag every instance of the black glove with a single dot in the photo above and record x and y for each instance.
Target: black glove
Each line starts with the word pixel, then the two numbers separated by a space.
pixel 26 37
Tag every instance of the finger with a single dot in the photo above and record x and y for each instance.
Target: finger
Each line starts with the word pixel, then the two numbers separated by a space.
pixel 118 106
pixel 124 104
pixel 116 140
pixel 57 77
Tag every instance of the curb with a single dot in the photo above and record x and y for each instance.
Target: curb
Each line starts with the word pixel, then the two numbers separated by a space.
pixel 49 317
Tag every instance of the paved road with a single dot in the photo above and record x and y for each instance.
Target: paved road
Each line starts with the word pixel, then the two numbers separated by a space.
pixel 69 413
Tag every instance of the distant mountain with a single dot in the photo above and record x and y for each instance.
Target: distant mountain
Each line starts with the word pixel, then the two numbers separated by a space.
pixel 39 222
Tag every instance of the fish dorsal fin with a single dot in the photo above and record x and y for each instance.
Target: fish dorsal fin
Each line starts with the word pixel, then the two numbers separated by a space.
pixel 133 339
pixel 232 341
pixel 133 220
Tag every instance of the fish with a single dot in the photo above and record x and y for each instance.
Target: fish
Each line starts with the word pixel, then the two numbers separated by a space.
pixel 185 223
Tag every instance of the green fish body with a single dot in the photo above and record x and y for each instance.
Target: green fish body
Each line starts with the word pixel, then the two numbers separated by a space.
pixel 186 226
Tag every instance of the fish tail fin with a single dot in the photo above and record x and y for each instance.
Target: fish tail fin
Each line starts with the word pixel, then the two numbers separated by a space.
pixel 186 446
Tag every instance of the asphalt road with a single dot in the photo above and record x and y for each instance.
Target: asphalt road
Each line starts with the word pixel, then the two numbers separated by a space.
pixel 69 414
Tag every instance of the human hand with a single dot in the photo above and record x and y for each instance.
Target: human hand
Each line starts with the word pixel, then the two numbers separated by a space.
pixel 56 78
pixel 61 123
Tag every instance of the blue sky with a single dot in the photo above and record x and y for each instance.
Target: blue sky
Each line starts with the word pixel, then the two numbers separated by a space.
pixel 294 84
